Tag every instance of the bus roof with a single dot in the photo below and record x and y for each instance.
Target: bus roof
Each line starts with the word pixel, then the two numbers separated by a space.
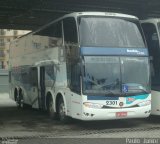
pixel 151 20
pixel 75 14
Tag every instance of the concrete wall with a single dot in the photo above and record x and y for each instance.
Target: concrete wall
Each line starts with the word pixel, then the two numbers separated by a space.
pixel 4 84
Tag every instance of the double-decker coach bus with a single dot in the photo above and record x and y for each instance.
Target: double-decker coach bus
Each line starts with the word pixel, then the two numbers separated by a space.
pixel 86 65
pixel 151 28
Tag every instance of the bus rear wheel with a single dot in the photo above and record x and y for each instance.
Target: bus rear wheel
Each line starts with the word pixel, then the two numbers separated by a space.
pixel 51 111
pixel 19 101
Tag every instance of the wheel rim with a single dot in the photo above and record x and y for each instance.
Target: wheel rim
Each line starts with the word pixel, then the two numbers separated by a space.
pixel 18 104
pixel 62 111
pixel 21 102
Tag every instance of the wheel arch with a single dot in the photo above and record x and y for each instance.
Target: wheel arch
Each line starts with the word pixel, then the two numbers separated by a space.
pixel 49 95
pixel 58 97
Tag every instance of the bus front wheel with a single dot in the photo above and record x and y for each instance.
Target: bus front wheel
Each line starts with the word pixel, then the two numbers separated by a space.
pixel 62 112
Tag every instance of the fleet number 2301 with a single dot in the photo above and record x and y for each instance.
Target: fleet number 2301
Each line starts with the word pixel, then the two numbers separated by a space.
pixel 111 102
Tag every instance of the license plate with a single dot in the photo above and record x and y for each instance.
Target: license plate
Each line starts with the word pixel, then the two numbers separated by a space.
pixel 121 114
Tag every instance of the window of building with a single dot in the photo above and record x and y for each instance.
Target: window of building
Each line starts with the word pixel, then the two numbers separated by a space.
pixel 3 66
pixel 0 65
pixel 2 32
pixel 8 40
pixel 15 32
pixel 1 42
pixel 14 37
pixel 2 53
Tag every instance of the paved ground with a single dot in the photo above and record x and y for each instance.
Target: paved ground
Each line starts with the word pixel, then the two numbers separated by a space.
pixel 29 123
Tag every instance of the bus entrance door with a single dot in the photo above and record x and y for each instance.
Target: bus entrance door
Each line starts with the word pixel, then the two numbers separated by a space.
pixel 38 87
pixel 42 87
pixel 34 87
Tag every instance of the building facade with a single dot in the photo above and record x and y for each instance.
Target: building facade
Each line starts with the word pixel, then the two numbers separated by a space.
pixel 6 36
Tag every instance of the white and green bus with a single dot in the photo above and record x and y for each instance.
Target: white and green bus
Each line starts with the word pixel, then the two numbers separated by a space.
pixel 151 28
pixel 85 65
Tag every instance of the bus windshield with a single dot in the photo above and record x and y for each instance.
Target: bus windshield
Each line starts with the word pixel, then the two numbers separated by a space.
pixel 109 32
pixel 110 75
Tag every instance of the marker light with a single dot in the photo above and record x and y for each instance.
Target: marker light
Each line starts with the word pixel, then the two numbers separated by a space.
pixel 93 105
pixel 144 103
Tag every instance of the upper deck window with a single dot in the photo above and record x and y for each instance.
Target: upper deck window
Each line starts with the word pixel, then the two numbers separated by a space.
pixel 51 36
pixel 110 32
pixel 70 30
pixel 70 37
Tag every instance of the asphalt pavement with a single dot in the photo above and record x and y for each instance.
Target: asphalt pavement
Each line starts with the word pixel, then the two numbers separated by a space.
pixel 26 125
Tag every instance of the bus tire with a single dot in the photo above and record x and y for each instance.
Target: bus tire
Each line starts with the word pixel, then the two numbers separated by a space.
pixel 19 101
pixel 61 112
pixel 52 114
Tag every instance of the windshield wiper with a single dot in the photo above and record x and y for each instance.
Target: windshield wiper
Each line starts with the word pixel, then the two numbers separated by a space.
pixel 132 93
pixel 111 93
pixel 134 87
pixel 143 90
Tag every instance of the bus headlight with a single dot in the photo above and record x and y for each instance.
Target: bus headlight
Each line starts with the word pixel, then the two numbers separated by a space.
pixel 93 105
pixel 145 103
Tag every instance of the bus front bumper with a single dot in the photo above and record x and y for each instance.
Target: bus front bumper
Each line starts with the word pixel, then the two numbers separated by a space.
pixel 109 114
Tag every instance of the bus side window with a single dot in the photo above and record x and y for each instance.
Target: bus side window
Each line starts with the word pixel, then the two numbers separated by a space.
pixel 24 77
pixel 75 77
pixel 70 37
pixel 72 53
pixel 33 76
pixel 49 72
